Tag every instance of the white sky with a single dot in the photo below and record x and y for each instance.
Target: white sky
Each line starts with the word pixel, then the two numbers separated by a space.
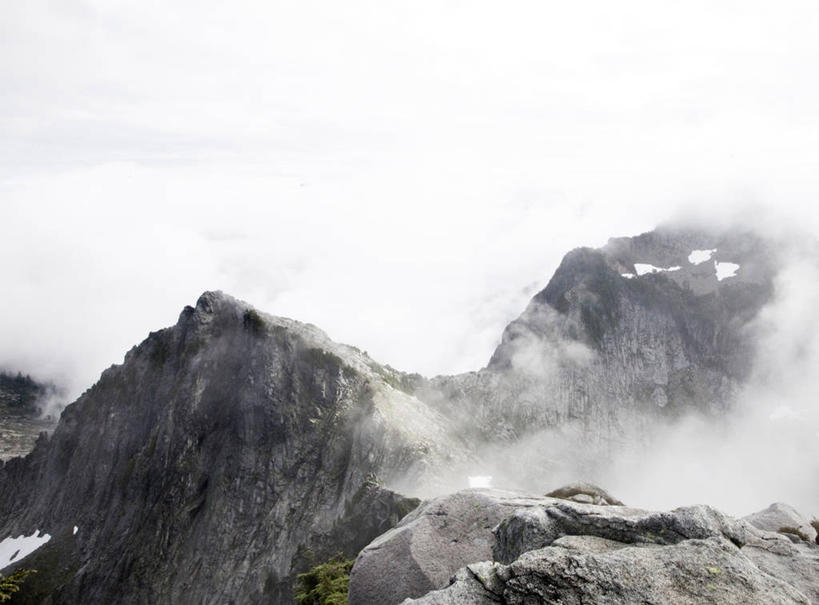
pixel 405 175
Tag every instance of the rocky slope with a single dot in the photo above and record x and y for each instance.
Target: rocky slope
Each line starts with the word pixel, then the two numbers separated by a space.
pixel 203 468
pixel 638 333
pixel 22 403
pixel 229 451
pixel 489 546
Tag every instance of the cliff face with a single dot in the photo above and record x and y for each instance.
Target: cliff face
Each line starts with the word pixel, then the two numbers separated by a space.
pixel 197 469
pixel 225 449
pixel 640 332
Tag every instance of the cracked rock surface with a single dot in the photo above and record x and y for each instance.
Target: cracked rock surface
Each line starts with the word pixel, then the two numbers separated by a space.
pixel 547 550
pixel 780 516
pixel 423 551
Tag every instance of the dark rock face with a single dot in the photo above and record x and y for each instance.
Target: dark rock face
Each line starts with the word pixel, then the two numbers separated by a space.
pixel 372 511
pixel 224 446
pixel 550 550
pixel 603 355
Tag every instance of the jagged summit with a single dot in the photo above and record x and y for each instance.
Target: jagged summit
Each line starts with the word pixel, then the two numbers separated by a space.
pixel 698 260
pixel 705 286
pixel 216 311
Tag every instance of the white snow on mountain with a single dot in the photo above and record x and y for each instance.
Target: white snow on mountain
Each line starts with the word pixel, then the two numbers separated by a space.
pixel 14 549
pixel 700 256
pixel 725 270
pixel 645 268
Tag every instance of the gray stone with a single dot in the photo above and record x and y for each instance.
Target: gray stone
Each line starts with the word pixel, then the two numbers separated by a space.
pixel 797 565
pixel 548 550
pixel 585 493
pixel 221 458
pixel 690 572
pixel 429 545
pixel 536 527
pixel 596 362
pixel 780 516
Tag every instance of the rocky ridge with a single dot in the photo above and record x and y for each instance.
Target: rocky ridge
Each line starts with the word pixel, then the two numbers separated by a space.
pixel 205 466
pixel 227 448
pixel 604 355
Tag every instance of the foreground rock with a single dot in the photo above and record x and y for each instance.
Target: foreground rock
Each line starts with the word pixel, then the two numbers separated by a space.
pixel 572 573
pixel 423 552
pixel 781 517
pixel 585 493
pixel 556 550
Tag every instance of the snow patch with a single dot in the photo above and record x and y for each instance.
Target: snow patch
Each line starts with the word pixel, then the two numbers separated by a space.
pixel 14 549
pixel 480 481
pixel 644 268
pixel 627 275
pixel 76 529
pixel 700 256
pixel 725 270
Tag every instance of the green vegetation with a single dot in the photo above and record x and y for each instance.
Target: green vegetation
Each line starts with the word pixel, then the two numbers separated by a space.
pixel 325 584
pixel 406 506
pixel 793 531
pixel 253 322
pixel 21 394
pixel 398 380
pixel 11 584
pixel 319 358
pixel 56 563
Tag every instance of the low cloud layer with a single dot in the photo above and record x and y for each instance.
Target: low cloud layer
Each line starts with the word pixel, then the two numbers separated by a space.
pixel 404 176
pixel 768 448
pixel 758 447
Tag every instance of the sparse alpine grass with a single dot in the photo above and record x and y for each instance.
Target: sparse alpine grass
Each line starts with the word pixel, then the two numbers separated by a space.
pixel 794 531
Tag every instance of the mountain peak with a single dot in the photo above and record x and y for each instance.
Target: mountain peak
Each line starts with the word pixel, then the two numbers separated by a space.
pixel 236 431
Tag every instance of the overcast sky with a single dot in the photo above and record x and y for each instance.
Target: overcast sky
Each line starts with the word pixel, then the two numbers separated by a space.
pixel 405 175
